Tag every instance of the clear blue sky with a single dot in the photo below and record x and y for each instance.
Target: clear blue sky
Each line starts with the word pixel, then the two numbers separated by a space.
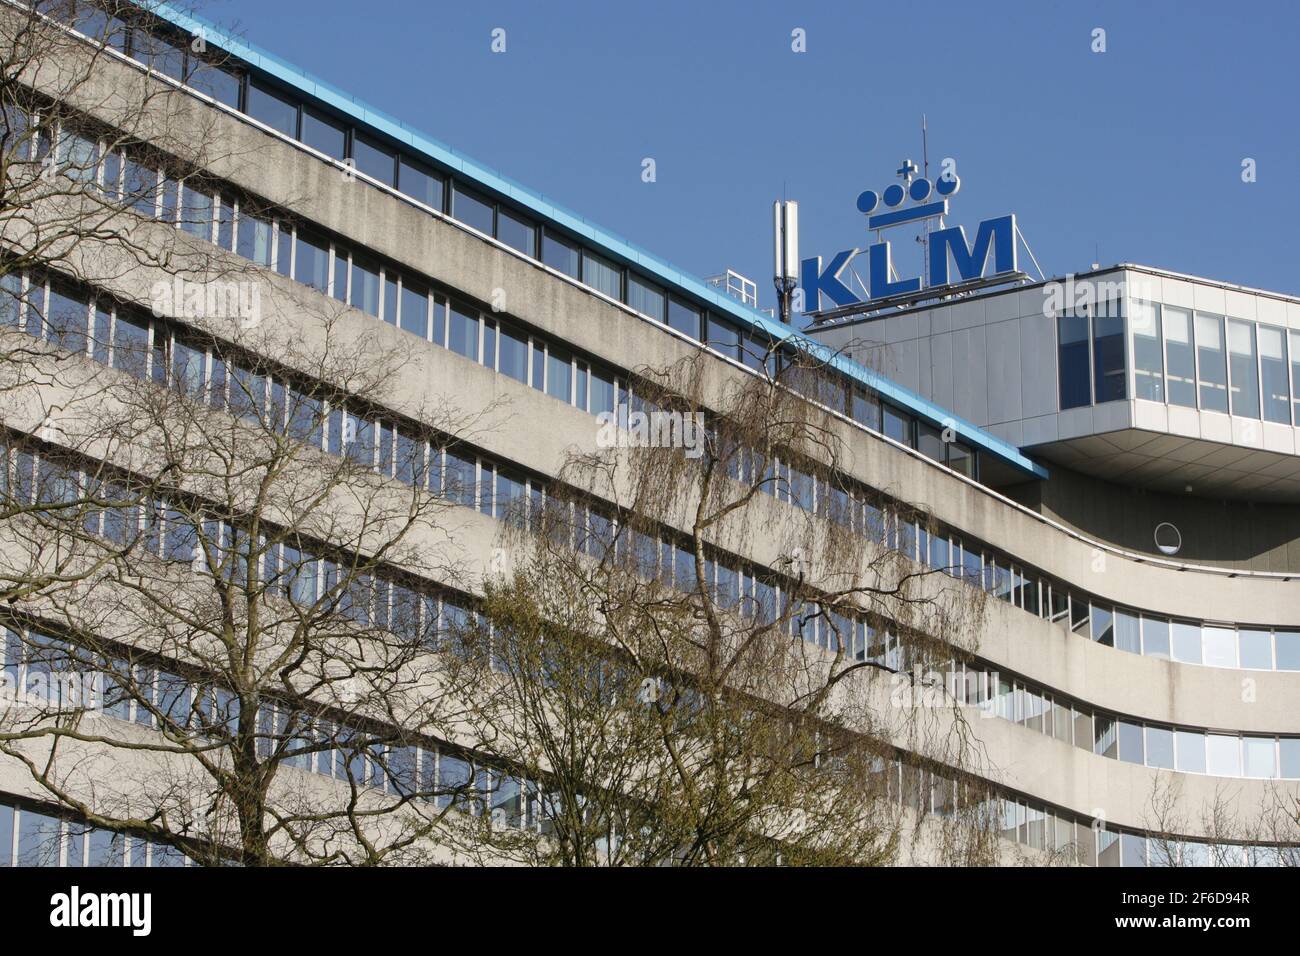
pixel 1133 154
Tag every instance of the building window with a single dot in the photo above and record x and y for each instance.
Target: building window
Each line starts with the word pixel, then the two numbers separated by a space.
pixel 603 392
pixel 559 375
pixel 645 298
pixel 6 834
pixel 312 261
pixel 1243 370
pixel 723 336
pixel 323 133
pixel 684 318
pixel 1108 352
pixel 930 441
pixel 416 181
pixel 1288 650
pixel 415 309
pixel 273 108
pixel 1256 649
pixel 1127 632
pixel 898 425
pixel 865 408
pixel 196 212
pixel 373 159
pixel 602 275
pixel 463 332
pixel 1211 365
pixel 1155 637
pixel 1260 756
pixel 471 209
pixel 514 354
pixel 1131 749
pixel 1223 755
pixel 1160 747
pixel 1072 359
pixel 1148 363
pixel 1295 374
pixel 1273 375
pixel 1189 751
pixel 1288 752
pixel 222 85
pixel 365 285
pixel 560 255
pixel 1180 359
pixel 517 233
pixel 1105 741
pixel 1186 642
pixel 1219 646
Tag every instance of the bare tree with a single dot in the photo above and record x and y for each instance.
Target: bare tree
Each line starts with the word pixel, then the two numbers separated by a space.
pixel 652 688
pixel 258 609
pixel 84 157
pixel 217 635
pixel 1228 831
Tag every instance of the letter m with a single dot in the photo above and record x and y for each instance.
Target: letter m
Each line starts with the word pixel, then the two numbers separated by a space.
pixel 996 234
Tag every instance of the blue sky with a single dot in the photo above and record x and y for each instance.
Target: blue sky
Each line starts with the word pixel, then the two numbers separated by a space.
pixel 1129 155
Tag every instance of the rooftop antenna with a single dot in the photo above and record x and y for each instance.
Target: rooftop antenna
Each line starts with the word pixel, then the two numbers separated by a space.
pixel 785 254
pixel 924 238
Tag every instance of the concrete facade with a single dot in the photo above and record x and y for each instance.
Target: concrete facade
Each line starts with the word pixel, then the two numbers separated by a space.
pixel 990 359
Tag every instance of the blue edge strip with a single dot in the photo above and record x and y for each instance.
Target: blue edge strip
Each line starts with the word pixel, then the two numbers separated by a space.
pixel 445 155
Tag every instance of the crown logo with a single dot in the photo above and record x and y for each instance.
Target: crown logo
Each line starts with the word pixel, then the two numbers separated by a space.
pixel 919 189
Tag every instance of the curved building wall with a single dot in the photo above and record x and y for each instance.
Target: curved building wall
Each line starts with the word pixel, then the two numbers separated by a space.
pixel 1072 528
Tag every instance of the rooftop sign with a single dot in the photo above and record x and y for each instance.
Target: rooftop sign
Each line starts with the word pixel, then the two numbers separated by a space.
pixel 950 259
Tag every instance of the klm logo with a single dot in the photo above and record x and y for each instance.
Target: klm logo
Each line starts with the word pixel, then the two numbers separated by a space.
pixel 951 258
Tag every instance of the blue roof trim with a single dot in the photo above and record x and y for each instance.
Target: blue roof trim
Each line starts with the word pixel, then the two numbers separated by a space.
pixel 350 106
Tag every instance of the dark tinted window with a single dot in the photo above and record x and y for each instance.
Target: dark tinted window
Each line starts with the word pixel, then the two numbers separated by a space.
pixel 560 255
pixel 1108 352
pixel 471 209
pixel 517 233
pixel 222 85
pixel 312 261
pixel 323 133
pixel 273 108
pixel 897 425
pixel 723 336
pixel 373 159
pixel 463 333
pixel 645 298
pixel 602 275
pixel 415 309
pixel 514 354
pixel 419 183
pixel 1072 357
pixel 684 318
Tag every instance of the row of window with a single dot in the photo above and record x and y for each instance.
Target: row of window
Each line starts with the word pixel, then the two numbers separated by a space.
pixel 36 664
pixel 1049 712
pixel 335 137
pixel 1031 705
pixel 1251 377
pixel 130 340
pixel 1069 837
pixel 420 613
pixel 1180 357
pixel 1185 641
pixel 32 837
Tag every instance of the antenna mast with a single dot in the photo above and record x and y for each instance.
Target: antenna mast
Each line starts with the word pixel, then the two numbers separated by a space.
pixel 925 226
pixel 785 254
